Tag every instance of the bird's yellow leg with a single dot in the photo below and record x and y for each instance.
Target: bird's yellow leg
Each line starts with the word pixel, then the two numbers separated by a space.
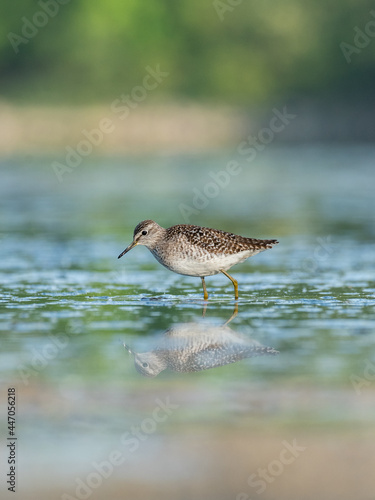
pixel 235 284
pixel 205 294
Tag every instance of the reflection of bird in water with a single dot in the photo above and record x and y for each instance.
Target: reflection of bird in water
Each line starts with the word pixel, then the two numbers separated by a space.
pixel 192 347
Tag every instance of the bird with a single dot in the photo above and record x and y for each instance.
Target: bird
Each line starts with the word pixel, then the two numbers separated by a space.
pixel 196 251
pixel 192 347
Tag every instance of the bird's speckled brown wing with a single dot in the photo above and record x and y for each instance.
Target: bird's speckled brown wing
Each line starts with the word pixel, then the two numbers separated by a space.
pixel 217 241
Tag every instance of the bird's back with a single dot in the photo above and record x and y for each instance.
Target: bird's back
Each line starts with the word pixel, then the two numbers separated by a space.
pixel 216 241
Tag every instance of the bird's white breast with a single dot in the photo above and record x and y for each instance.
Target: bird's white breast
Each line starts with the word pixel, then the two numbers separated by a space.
pixel 206 266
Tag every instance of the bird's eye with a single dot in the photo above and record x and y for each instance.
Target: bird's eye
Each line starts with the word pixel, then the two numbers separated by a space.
pixel 145 365
pixel 144 232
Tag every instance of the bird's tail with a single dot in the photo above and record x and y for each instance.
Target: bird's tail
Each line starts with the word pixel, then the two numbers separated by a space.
pixel 262 244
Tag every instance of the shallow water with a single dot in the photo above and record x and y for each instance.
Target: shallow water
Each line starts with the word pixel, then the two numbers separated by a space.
pixel 68 305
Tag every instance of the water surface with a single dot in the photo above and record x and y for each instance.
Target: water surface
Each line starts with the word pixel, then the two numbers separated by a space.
pixel 68 306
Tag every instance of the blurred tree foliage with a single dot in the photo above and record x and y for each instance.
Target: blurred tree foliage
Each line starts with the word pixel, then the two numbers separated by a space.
pixel 213 50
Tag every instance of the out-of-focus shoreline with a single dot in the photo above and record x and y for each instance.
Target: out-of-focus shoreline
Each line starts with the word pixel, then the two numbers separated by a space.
pixel 191 128
pixel 183 128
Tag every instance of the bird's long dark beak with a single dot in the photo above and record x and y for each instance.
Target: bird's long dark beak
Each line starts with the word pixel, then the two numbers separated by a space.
pixel 132 244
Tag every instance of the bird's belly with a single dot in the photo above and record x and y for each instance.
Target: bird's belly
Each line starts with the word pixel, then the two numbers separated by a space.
pixel 205 266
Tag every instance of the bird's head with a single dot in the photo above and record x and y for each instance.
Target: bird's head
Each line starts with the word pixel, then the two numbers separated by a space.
pixel 146 233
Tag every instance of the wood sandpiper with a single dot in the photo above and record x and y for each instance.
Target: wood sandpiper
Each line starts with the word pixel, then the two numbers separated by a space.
pixel 196 251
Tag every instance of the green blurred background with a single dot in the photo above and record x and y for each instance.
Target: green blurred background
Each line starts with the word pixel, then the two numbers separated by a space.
pixel 243 54
pixel 229 62
pixel 240 53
